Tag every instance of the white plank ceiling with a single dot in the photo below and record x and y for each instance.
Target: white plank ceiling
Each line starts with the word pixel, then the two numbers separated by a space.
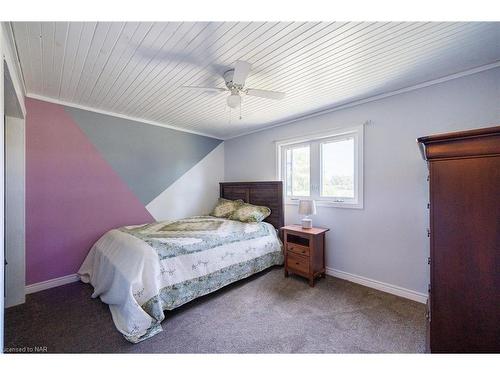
pixel 136 69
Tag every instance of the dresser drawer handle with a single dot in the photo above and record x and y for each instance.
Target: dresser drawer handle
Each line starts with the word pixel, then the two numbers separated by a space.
pixel 296 263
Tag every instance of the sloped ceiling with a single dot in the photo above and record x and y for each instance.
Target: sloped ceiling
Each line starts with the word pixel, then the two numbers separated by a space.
pixel 136 69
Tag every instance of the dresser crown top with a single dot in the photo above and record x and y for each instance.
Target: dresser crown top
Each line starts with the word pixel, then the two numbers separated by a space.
pixel 469 143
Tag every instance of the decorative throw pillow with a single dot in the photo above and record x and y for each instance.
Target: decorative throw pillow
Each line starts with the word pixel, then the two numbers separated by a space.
pixel 248 213
pixel 225 207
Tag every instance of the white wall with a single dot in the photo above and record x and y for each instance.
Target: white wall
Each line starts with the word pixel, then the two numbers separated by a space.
pixel 386 241
pixel 195 192
pixel 15 270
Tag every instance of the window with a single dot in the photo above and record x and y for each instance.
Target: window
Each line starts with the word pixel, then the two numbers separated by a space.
pixel 337 168
pixel 298 171
pixel 326 167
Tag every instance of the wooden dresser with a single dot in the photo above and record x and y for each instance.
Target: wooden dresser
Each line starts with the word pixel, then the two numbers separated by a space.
pixel 304 251
pixel 464 293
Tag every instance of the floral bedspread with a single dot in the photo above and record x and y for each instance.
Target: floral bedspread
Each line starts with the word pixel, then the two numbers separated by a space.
pixel 141 271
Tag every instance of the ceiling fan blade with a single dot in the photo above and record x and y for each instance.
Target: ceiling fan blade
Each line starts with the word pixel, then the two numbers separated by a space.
pixel 241 71
pixel 266 94
pixel 200 88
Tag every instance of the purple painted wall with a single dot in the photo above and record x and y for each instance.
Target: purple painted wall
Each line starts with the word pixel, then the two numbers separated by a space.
pixel 72 195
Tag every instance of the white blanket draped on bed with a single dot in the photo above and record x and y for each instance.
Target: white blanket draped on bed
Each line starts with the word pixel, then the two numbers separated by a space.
pixel 140 271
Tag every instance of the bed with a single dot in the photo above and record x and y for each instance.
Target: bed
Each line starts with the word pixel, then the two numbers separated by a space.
pixel 140 271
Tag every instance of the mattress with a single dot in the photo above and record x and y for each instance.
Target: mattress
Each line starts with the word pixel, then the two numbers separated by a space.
pixel 141 271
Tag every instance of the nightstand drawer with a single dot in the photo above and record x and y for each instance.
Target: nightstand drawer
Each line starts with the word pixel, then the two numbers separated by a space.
pixel 297 262
pixel 298 249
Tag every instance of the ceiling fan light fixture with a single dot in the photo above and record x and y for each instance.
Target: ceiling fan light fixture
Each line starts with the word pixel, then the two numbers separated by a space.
pixel 234 101
pixel 235 84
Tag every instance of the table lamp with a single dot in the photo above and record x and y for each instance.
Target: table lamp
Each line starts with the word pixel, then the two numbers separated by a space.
pixel 306 208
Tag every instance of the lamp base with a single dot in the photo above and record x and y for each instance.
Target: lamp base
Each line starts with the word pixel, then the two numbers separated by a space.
pixel 306 223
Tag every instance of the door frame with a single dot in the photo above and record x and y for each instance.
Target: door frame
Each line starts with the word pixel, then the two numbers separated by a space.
pixel 8 54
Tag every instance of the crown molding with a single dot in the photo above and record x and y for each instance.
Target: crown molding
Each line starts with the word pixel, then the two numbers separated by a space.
pixel 115 114
pixel 436 81
pixel 306 116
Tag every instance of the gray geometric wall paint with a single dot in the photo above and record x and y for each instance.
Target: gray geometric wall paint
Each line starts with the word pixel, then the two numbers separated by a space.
pixel 148 158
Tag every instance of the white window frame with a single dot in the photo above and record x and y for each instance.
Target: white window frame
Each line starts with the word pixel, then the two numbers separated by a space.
pixel 283 151
pixel 315 140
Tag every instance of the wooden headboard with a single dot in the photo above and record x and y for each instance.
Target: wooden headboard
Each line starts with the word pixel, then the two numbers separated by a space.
pixel 260 193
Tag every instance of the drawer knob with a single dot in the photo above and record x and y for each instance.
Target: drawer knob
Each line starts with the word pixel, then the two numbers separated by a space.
pixel 296 263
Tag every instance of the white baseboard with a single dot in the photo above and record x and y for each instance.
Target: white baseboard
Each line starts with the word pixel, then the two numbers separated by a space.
pixel 33 288
pixel 379 285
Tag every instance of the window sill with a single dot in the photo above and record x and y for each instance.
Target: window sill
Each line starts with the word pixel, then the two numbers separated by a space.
pixel 321 203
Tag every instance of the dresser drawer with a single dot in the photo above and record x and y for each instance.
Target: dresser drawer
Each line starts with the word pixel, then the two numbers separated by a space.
pixel 298 249
pixel 297 262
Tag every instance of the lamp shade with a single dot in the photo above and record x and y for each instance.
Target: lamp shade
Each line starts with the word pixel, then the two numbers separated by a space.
pixel 307 207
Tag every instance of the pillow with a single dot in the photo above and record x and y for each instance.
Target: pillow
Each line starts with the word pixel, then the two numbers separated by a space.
pixel 248 213
pixel 225 207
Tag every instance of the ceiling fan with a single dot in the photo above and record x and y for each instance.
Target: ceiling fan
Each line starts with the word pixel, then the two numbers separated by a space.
pixel 235 84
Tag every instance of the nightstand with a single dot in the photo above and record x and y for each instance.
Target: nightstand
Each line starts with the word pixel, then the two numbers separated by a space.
pixel 304 251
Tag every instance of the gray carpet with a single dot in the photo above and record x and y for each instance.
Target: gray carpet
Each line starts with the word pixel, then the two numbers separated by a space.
pixel 265 313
